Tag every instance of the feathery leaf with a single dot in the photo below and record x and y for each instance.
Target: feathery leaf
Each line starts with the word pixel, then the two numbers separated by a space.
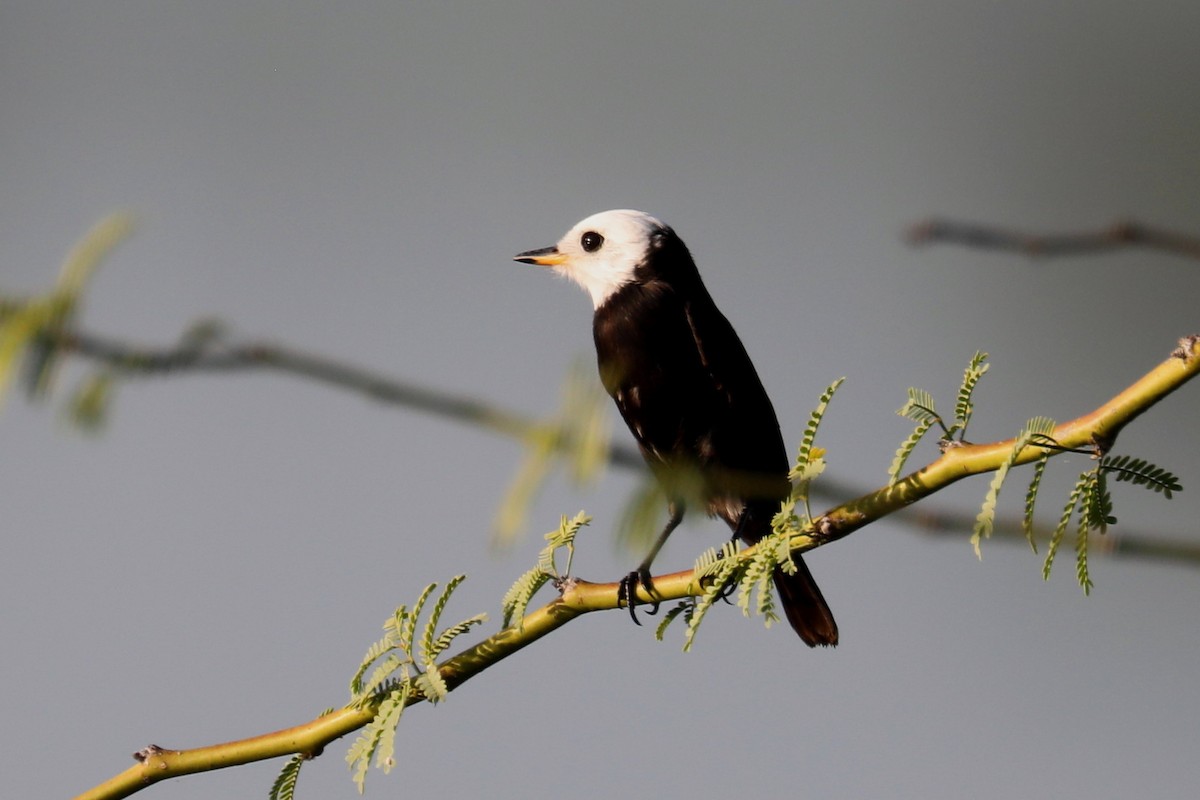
pixel 447 637
pixel 920 408
pixel 284 787
pixel 431 684
pixel 435 616
pixel 1140 472
pixel 906 448
pixel 1039 469
pixel 805 453
pixel 963 405
pixel 1034 429
pixel 517 598
pixel 681 608
pixel 1057 536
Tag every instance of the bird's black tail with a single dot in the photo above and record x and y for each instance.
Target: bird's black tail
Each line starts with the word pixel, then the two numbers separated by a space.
pixel 804 606
pixel 799 595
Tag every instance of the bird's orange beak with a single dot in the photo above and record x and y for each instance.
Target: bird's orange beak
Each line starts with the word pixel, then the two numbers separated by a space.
pixel 543 257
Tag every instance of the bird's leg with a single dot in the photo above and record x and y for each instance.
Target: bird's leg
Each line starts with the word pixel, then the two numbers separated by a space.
pixel 641 576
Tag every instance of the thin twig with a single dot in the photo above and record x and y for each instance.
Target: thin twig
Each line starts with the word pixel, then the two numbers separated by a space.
pixel 132 362
pixel 1117 236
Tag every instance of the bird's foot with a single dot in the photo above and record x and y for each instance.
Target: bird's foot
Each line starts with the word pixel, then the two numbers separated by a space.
pixel 627 592
pixel 726 591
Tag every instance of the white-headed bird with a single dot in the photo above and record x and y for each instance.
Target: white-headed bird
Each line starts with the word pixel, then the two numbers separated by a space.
pixel 687 390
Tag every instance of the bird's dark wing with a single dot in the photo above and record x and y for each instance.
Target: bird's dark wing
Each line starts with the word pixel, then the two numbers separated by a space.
pixel 687 390
pixel 746 436
pixel 651 367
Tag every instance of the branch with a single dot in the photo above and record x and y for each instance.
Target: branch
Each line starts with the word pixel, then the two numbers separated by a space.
pixel 1120 544
pixel 1117 236
pixel 215 356
pixel 1097 429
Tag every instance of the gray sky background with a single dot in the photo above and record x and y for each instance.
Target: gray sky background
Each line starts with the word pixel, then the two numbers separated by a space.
pixel 353 178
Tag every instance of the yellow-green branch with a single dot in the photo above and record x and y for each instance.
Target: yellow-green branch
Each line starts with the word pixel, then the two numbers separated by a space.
pixel 580 597
pixel 1097 429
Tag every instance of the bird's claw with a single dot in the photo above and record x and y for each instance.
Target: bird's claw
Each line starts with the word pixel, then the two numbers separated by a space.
pixel 726 591
pixel 628 589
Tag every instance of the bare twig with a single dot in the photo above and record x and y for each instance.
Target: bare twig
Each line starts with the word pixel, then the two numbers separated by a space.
pixel 1115 237
pixel 132 362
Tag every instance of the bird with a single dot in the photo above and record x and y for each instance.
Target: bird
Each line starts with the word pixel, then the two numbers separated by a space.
pixel 686 388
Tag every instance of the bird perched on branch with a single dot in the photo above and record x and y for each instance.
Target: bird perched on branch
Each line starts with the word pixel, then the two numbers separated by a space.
pixel 687 390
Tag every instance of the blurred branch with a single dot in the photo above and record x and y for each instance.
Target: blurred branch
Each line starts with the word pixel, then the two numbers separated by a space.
pixel 1115 237
pixel 208 354
pixel 1130 545
pixel 580 597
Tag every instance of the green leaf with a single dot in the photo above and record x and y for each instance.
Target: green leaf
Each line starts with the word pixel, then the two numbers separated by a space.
pixel 447 637
pixel 17 331
pixel 562 539
pixel 985 520
pixel 906 449
pixel 408 627
pixel 720 577
pixel 380 677
pixel 920 407
pixel 716 570
pixel 1081 557
pixel 584 424
pixel 757 576
pixel 284 787
pixel 1033 430
pixel 88 407
pixel 577 436
pixel 435 616
pixel 1140 472
pixel 963 405
pixel 682 608
pixel 642 516
pixel 513 515
pixel 1057 536
pixel 85 256
pixel 383 732
pixel 1096 508
pixel 377 737
pixel 1039 469
pixel 517 598
pixel 431 684
pixel 805 454
pixel 374 653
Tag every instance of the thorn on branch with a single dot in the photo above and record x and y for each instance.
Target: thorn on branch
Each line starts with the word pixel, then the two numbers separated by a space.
pixel 148 752
pixel 1186 350
pixel 1102 445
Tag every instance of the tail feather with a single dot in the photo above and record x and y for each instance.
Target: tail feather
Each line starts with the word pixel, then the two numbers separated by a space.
pixel 805 608
pixel 802 601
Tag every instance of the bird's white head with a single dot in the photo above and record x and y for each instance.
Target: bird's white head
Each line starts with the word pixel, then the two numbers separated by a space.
pixel 602 252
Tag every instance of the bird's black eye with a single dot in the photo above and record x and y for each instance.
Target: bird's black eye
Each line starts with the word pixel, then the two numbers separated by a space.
pixel 591 241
